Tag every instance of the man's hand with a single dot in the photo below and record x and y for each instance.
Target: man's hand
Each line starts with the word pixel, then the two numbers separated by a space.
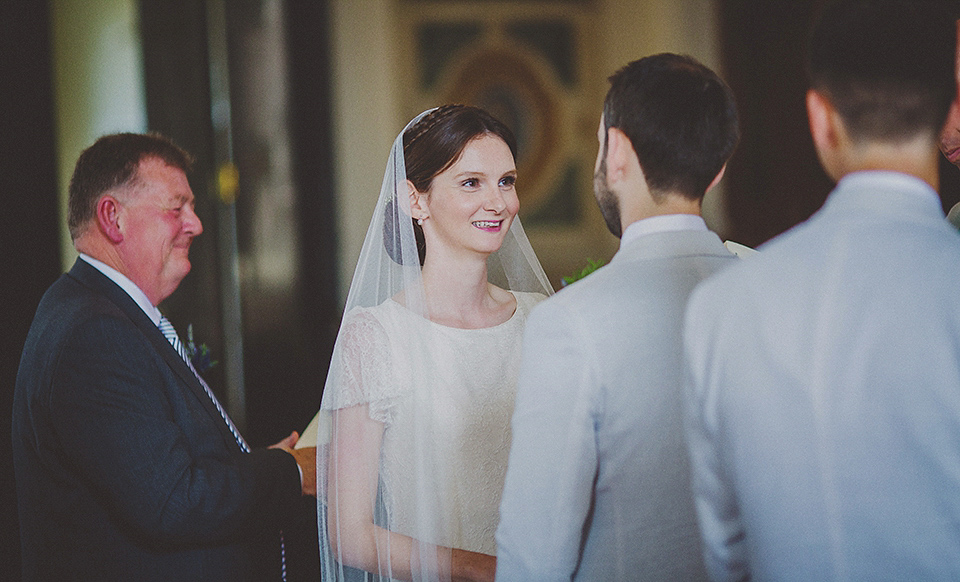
pixel 306 458
pixel 287 443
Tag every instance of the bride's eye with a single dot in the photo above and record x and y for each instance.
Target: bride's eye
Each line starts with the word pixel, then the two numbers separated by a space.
pixel 470 183
pixel 508 181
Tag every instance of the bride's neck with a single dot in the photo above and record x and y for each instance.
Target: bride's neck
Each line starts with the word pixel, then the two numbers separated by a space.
pixel 457 292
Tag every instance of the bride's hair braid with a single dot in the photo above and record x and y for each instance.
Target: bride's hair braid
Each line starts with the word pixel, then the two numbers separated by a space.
pixel 428 122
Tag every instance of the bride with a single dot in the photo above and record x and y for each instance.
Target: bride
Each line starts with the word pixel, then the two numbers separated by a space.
pixel 415 417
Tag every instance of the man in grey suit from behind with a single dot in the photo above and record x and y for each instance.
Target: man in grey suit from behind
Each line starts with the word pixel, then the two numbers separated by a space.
pixel 825 372
pixel 597 486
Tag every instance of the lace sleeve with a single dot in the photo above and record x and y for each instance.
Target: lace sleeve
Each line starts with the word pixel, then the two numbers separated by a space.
pixel 360 367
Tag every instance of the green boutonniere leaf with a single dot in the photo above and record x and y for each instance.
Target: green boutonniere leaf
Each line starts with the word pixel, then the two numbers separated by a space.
pixel 199 355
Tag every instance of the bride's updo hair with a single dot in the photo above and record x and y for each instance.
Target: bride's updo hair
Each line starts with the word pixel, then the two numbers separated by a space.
pixel 434 144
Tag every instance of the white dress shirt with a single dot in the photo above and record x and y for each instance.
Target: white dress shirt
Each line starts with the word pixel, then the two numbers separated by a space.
pixel 135 293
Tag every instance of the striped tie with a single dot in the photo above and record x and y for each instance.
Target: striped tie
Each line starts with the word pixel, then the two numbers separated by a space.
pixel 171 334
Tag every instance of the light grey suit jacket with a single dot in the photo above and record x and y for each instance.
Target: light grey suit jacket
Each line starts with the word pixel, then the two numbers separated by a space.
pixel 825 395
pixel 597 484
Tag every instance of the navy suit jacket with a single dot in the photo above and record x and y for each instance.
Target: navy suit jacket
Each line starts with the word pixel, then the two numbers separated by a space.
pixel 125 470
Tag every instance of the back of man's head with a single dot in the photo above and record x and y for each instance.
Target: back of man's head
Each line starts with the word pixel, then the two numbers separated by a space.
pixel 887 66
pixel 680 117
pixel 109 163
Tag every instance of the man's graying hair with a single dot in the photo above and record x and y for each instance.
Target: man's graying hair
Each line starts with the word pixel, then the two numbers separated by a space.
pixel 110 163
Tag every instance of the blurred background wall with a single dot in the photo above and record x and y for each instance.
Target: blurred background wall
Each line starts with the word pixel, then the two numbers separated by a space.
pixel 290 107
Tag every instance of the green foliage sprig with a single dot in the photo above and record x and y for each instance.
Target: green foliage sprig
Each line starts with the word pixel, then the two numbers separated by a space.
pixel 591 267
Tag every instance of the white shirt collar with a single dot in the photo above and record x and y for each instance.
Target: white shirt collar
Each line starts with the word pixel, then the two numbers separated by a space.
pixel 661 223
pixel 138 296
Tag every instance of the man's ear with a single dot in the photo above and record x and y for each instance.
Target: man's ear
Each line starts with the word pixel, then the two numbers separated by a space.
pixel 619 153
pixel 108 218
pixel 418 203
pixel 823 118
pixel 717 179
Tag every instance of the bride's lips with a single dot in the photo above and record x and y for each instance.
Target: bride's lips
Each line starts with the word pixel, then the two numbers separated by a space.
pixel 489 225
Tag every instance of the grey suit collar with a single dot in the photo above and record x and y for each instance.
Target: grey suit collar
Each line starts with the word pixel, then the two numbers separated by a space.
pixel 672 244
pixel 884 193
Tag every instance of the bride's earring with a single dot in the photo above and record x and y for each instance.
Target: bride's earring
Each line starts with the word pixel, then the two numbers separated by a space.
pixel 420 221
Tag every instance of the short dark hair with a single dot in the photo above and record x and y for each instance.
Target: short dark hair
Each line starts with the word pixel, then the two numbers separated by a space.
pixel 112 162
pixel 887 66
pixel 435 143
pixel 680 117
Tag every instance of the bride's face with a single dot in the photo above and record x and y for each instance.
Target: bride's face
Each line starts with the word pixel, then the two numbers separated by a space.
pixel 471 205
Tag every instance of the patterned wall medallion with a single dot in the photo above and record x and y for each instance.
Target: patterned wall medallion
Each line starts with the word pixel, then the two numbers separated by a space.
pixel 523 63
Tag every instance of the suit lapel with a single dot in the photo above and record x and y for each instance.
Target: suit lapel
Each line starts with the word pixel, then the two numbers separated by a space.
pixel 92 278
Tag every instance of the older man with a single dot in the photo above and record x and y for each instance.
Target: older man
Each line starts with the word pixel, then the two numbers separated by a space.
pixel 127 467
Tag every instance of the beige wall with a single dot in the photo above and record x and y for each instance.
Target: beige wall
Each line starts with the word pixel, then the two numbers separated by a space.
pixel 369 109
pixel 366 117
pixel 640 28
pixel 98 82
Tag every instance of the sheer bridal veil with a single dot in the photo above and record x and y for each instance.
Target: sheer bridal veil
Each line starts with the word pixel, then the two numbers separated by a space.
pixel 363 379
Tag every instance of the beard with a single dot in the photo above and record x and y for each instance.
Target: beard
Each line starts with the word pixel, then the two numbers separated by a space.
pixel 607 200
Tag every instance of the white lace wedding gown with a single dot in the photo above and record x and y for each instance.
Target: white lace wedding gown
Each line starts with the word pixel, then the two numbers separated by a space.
pixel 461 410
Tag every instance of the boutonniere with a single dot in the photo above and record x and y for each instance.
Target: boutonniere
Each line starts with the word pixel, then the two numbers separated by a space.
pixel 591 267
pixel 199 355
